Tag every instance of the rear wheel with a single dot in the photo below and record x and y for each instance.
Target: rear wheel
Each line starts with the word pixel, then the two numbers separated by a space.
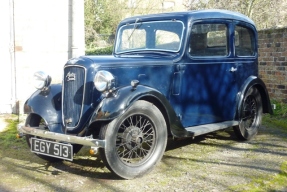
pixel 135 141
pixel 250 115
pixel 37 121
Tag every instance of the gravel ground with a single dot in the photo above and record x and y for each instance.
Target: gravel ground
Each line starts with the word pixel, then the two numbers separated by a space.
pixel 213 162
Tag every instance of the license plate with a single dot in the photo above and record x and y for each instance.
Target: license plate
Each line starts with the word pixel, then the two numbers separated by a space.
pixel 51 148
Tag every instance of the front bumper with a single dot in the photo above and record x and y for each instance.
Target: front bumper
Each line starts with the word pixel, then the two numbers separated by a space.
pixel 36 131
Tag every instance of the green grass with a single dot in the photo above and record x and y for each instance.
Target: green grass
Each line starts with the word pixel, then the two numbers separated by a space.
pixel 279 118
pixel 281 109
pixel 8 136
pixel 269 183
pixel 9 144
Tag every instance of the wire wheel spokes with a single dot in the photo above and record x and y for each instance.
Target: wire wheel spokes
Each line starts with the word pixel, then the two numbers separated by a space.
pixel 135 139
pixel 250 111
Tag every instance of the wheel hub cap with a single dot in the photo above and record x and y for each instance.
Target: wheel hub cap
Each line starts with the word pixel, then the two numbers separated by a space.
pixel 133 137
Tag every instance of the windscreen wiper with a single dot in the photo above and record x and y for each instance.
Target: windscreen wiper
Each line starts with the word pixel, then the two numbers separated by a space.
pixel 135 27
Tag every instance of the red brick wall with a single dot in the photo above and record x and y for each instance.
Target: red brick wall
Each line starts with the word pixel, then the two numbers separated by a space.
pixel 273 62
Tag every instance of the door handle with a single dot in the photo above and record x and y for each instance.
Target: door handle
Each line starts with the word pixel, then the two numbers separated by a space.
pixel 233 69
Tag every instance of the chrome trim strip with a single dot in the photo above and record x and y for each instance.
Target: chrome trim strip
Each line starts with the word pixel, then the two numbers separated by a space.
pixel 36 131
pixel 84 92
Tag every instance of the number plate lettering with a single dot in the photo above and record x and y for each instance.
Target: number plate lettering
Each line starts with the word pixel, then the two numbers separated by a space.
pixel 53 149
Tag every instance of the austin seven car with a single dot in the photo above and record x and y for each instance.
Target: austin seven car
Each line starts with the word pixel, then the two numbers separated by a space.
pixel 171 75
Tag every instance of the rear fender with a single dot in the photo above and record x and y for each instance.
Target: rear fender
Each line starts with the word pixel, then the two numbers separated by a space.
pixel 253 81
pixel 46 104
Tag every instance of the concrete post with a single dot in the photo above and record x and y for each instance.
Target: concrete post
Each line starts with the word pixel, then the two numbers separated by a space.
pixel 7 77
pixel 76 28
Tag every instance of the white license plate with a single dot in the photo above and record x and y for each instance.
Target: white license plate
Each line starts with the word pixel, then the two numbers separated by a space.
pixel 52 149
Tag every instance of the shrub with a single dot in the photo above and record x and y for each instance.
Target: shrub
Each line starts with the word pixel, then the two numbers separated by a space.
pixel 101 51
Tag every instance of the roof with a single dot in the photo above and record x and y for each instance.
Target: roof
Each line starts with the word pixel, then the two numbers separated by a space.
pixel 194 15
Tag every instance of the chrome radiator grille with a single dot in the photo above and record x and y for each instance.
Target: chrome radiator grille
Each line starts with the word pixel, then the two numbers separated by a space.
pixel 73 95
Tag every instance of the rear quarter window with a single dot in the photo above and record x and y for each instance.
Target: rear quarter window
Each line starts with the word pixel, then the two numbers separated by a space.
pixel 244 41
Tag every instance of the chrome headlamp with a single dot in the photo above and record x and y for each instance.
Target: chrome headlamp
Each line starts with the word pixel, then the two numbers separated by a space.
pixel 42 80
pixel 104 81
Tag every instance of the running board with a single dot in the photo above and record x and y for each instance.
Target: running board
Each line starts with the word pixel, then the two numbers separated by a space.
pixel 207 128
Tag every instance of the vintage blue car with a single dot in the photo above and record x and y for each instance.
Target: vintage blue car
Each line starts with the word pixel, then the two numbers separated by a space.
pixel 177 75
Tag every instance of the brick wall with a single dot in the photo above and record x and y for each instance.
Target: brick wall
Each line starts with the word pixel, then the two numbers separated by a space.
pixel 273 61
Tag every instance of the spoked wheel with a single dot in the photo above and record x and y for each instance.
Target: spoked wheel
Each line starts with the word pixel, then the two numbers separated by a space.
pixel 135 142
pixel 37 121
pixel 250 115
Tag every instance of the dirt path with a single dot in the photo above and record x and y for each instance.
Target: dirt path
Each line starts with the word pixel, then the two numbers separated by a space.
pixel 213 162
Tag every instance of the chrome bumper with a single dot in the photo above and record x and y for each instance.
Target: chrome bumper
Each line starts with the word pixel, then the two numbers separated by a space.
pixel 60 137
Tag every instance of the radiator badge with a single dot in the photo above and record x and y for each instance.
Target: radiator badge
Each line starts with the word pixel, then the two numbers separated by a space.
pixel 71 76
pixel 68 121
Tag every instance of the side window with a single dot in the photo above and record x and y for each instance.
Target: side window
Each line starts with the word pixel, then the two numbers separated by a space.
pixel 208 40
pixel 244 41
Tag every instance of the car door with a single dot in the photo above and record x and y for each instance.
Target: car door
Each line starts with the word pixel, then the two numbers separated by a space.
pixel 245 52
pixel 207 83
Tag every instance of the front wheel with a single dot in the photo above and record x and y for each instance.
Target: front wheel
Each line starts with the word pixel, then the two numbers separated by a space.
pixel 135 141
pixel 250 115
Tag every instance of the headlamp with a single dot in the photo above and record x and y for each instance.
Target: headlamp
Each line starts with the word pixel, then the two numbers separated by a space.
pixel 104 81
pixel 42 80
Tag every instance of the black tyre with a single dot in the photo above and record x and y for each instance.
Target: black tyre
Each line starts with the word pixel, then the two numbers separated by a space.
pixel 37 121
pixel 135 141
pixel 250 115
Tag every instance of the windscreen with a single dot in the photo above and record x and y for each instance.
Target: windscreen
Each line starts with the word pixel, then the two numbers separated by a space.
pixel 156 35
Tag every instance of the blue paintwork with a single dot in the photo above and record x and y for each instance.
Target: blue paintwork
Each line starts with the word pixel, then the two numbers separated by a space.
pixel 116 104
pixel 47 104
pixel 189 90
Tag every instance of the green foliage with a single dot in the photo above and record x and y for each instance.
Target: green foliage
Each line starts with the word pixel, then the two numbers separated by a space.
pixel 102 51
pixel 279 117
pixel 101 18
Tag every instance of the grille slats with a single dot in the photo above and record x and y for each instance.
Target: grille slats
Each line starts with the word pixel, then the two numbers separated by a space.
pixel 73 95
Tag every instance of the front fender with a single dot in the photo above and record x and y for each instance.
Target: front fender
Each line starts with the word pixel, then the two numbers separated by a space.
pixel 114 106
pixel 47 104
pixel 259 84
